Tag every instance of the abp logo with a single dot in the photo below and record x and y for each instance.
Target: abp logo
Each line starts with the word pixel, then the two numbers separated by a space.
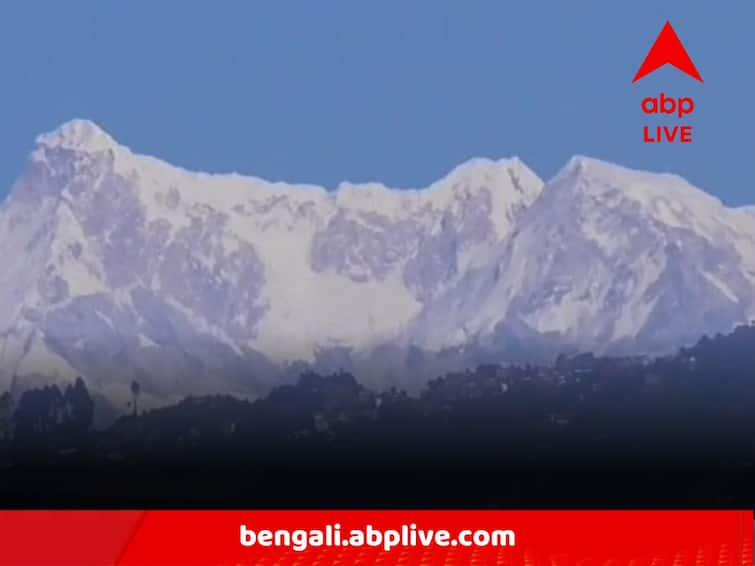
pixel 668 49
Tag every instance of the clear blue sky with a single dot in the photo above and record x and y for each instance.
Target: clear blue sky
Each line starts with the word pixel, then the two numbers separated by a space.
pixel 392 90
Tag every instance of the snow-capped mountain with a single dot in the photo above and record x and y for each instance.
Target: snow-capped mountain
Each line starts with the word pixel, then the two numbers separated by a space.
pixel 609 260
pixel 120 267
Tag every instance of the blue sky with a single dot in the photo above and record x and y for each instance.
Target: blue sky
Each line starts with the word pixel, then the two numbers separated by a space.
pixel 398 91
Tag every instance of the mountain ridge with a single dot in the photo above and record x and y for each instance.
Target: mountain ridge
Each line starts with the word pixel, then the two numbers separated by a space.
pixel 134 269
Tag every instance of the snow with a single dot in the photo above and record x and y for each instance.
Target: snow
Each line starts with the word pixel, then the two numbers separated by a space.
pixel 145 342
pixel 80 135
pixel 274 222
pixel 588 257
pixel 83 273
pixel 592 259
pixel 721 286
pixel 43 364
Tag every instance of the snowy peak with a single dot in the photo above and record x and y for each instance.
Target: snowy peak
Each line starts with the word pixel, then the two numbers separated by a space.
pixel 78 135
pixel 122 267
pixel 481 170
pixel 596 177
pixel 509 176
pixel 607 259
pixel 591 185
pixel 136 269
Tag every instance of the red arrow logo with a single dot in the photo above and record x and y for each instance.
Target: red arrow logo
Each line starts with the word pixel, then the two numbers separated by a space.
pixel 667 48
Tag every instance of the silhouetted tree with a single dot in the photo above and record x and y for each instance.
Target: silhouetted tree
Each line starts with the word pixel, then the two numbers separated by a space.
pixel 136 389
pixel 6 416
pixel 47 420
pixel 79 408
pixel 39 413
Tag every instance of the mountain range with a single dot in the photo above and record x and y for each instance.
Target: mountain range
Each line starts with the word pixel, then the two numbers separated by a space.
pixel 119 267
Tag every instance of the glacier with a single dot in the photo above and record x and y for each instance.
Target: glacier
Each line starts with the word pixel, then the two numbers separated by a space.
pixel 119 267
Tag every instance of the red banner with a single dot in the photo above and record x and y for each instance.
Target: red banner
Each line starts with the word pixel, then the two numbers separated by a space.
pixel 512 538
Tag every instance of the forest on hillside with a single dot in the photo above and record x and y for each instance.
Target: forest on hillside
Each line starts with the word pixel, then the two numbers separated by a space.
pixel 691 411
pixel 695 405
